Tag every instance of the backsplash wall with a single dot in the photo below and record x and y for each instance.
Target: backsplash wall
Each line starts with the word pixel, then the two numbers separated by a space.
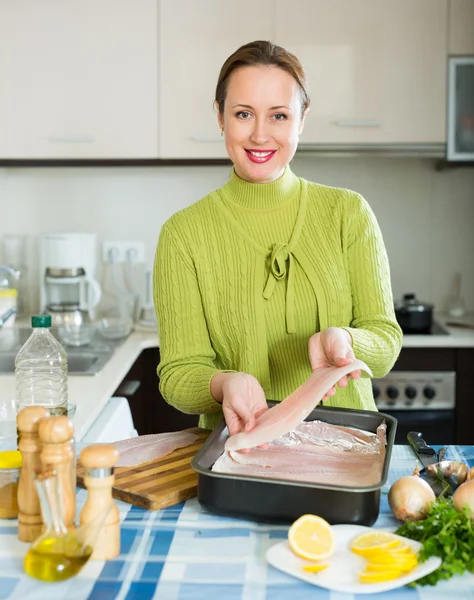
pixel 427 217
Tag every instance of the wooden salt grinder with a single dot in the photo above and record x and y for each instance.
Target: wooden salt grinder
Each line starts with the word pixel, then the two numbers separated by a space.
pixel 30 520
pixel 55 434
pixel 99 461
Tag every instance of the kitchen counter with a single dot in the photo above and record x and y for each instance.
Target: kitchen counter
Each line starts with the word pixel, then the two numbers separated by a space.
pixel 186 553
pixel 458 337
pixel 91 393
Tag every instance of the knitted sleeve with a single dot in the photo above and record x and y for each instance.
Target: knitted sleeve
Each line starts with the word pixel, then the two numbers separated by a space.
pixel 187 358
pixel 376 335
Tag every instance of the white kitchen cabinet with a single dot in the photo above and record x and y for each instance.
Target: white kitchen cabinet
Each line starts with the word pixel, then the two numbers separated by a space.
pixel 461 27
pixel 376 68
pixel 78 79
pixel 196 37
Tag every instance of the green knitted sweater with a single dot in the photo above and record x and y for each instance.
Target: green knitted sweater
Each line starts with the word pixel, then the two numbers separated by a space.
pixel 245 276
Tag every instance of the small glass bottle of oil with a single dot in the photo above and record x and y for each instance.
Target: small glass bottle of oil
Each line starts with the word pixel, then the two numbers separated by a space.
pixel 58 554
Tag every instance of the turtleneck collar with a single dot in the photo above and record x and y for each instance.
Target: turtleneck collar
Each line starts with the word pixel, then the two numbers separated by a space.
pixel 261 195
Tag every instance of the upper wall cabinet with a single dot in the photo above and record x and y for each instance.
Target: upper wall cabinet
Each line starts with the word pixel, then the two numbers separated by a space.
pixel 461 27
pixel 377 70
pixel 78 79
pixel 196 37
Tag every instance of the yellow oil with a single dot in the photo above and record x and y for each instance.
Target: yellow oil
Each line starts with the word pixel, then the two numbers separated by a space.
pixel 53 560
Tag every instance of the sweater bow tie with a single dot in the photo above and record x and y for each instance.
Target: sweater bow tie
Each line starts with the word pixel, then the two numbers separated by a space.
pixel 281 268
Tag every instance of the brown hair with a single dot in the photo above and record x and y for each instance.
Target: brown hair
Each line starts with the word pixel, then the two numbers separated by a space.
pixel 265 54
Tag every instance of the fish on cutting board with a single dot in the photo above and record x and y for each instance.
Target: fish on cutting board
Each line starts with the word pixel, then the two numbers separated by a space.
pixel 293 410
pixel 145 448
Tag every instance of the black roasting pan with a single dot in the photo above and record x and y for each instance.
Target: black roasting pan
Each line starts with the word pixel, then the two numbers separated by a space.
pixel 282 501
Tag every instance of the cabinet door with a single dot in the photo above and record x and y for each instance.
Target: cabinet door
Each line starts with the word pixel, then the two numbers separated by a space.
pixel 376 68
pixel 196 37
pixel 461 27
pixel 78 79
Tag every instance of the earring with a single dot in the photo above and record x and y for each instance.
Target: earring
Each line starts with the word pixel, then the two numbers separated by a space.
pixel 222 132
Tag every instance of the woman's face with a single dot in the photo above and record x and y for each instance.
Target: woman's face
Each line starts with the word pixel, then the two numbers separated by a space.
pixel 262 122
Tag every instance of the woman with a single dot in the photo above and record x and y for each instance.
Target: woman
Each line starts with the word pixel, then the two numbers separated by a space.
pixel 269 276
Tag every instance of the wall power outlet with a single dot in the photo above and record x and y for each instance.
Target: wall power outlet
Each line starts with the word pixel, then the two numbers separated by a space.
pixel 123 251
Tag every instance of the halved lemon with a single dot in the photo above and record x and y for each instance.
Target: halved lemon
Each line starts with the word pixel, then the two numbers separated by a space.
pixel 367 543
pixel 312 538
pixel 315 568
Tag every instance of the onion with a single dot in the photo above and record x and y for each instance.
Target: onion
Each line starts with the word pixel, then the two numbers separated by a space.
pixel 470 475
pixel 464 496
pixel 410 498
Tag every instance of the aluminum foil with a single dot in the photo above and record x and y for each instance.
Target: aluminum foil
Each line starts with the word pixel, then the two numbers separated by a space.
pixel 326 435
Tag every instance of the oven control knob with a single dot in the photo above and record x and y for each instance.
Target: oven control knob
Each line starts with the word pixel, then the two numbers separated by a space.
pixel 429 392
pixel 410 392
pixel 392 392
pixel 376 391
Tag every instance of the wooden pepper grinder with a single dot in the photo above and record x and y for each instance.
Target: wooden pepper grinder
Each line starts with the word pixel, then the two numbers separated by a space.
pixel 55 434
pixel 99 461
pixel 30 521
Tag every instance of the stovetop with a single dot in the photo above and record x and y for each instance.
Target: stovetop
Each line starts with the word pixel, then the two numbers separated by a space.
pixel 436 329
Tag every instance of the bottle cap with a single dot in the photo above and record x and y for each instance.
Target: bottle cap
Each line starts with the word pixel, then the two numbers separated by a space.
pixel 41 321
pixel 10 459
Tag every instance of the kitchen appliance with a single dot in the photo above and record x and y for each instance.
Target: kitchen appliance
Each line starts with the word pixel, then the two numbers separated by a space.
pixel 278 500
pixel 460 117
pixel 412 315
pixel 68 266
pixel 419 399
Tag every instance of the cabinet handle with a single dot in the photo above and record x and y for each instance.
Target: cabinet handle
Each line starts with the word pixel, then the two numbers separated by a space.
pixel 361 123
pixel 206 138
pixel 127 388
pixel 71 139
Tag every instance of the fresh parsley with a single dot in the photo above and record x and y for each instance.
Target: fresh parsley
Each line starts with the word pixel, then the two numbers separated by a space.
pixel 446 533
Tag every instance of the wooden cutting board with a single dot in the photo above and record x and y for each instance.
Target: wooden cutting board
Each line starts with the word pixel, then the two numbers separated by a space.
pixel 158 483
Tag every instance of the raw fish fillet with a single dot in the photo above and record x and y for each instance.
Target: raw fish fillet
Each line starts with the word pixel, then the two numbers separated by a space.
pixel 141 449
pixel 289 413
pixel 298 468
pixel 314 452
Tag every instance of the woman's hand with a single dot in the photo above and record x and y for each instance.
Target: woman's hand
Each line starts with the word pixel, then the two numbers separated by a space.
pixel 242 398
pixel 332 348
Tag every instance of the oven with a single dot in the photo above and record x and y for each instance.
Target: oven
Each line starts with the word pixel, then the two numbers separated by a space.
pixel 420 391
pixel 420 401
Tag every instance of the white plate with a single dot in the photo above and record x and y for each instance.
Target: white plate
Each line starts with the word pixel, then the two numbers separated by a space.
pixel 342 575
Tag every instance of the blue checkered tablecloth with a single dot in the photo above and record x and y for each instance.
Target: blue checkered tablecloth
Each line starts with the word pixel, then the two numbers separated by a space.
pixel 186 553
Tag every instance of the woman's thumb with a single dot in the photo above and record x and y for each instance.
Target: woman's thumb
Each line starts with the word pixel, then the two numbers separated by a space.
pixel 340 359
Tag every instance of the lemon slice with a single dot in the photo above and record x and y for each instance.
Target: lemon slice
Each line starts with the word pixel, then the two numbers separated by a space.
pixel 312 538
pixel 392 559
pixel 377 577
pixel 406 567
pixel 315 568
pixel 367 543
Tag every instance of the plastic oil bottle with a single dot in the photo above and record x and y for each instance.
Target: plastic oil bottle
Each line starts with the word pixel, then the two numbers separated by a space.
pixel 41 369
pixel 41 373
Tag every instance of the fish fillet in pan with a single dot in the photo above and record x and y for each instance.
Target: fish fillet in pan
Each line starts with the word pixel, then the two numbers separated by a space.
pixel 314 452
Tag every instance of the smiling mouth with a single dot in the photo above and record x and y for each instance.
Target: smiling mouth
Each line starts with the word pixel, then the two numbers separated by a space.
pixel 260 156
